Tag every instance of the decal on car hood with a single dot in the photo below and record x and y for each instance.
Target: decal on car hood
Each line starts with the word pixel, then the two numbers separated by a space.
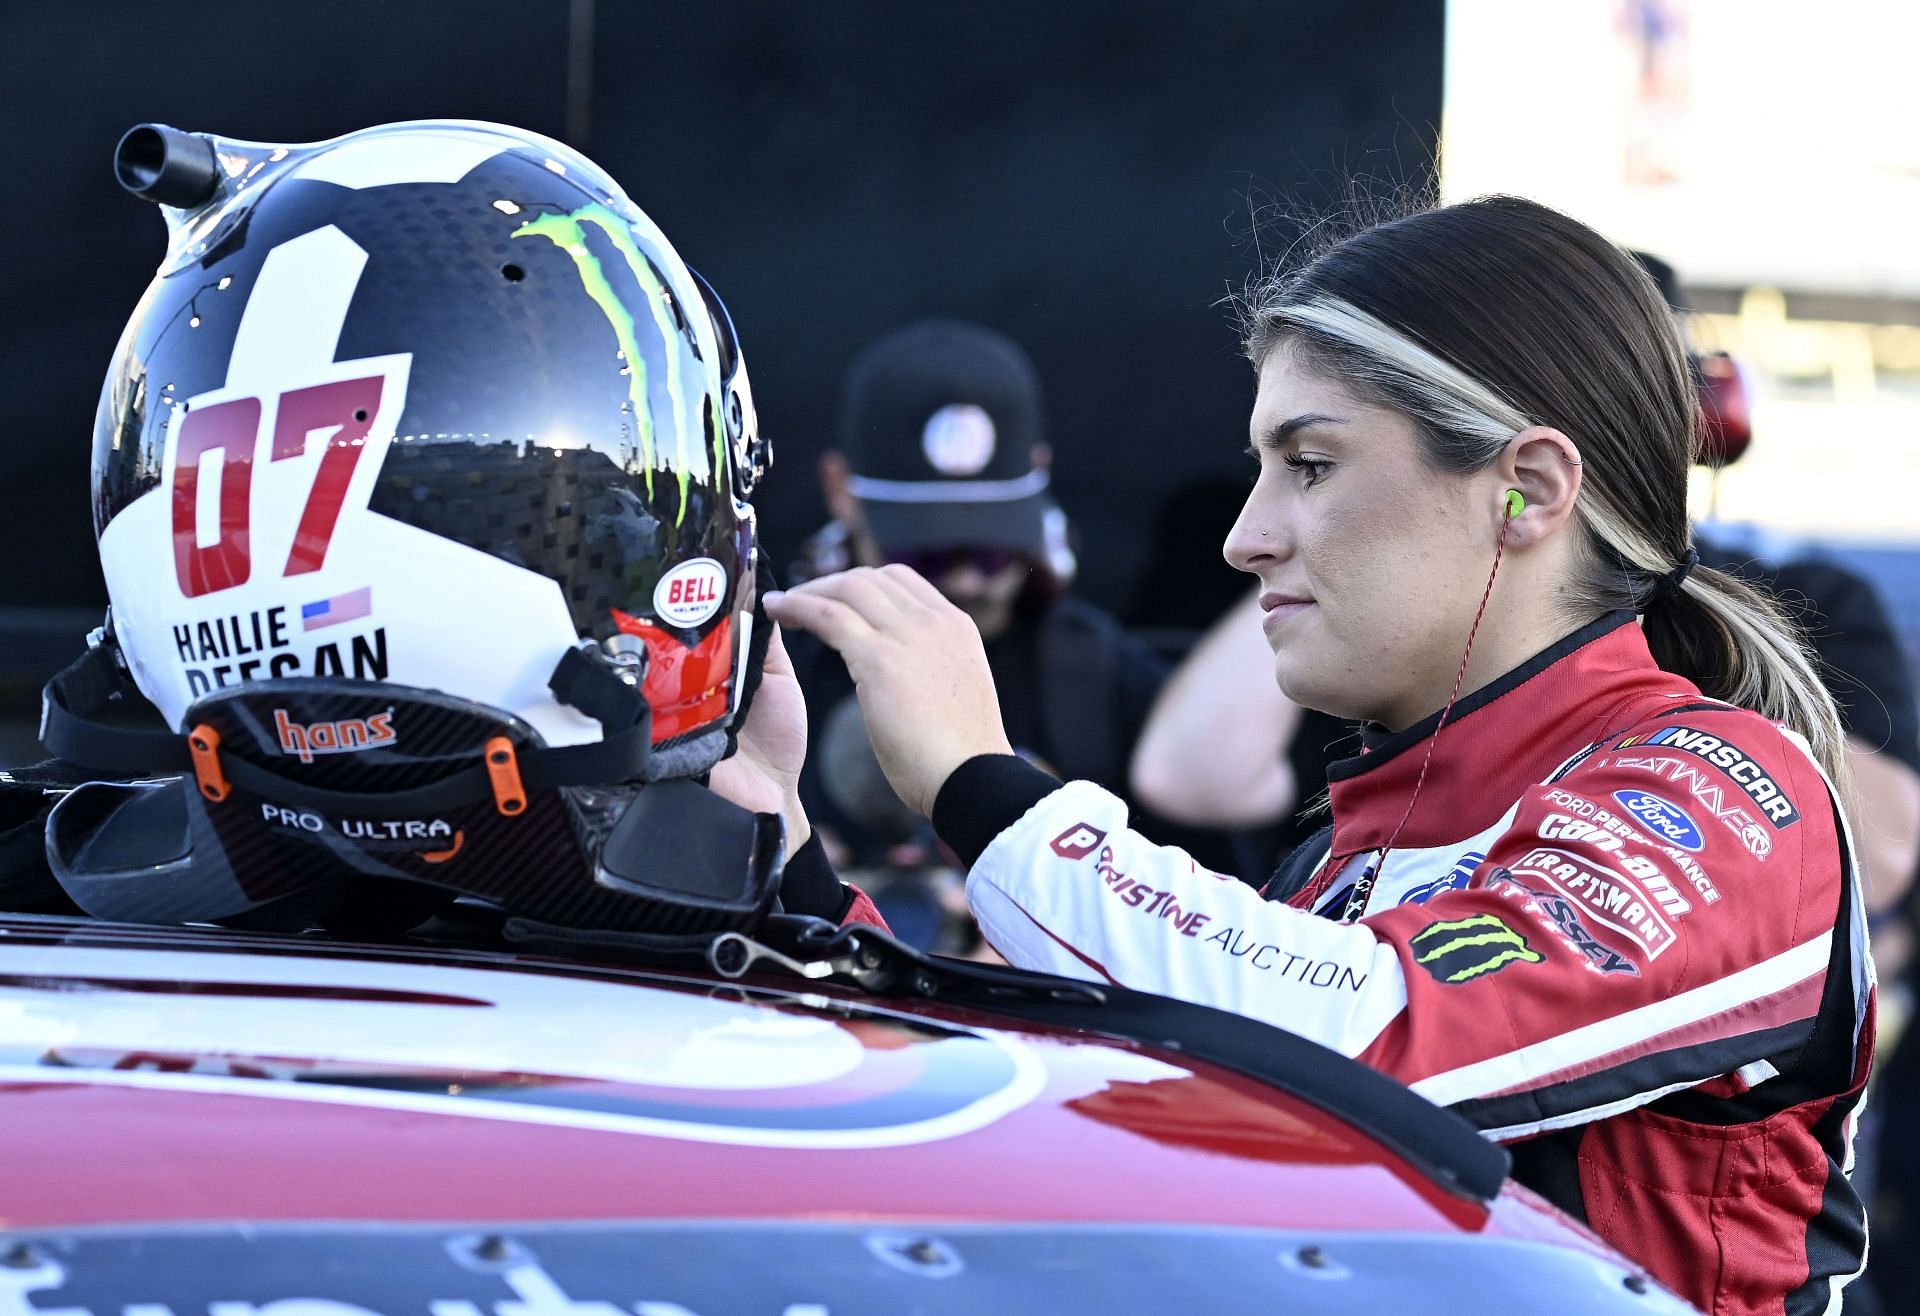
pixel 704 1066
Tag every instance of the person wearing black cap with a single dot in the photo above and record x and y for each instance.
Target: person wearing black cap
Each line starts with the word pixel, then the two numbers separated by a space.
pixel 943 466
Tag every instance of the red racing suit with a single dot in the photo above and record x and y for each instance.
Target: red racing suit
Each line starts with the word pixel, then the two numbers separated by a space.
pixel 1620 932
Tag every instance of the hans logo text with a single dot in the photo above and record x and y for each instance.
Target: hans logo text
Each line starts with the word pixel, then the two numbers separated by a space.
pixel 349 735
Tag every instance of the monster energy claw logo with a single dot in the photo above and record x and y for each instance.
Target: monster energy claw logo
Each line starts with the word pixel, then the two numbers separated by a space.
pixel 1463 949
pixel 568 232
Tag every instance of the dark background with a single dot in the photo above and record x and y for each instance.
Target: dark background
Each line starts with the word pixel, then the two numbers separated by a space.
pixel 1077 173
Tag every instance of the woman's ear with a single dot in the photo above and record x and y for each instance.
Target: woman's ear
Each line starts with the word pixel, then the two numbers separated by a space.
pixel 1544 466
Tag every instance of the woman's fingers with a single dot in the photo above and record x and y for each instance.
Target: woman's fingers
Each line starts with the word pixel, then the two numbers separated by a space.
pixel 820 613
pixel 925 688
pixel 845 608
pixel 911 585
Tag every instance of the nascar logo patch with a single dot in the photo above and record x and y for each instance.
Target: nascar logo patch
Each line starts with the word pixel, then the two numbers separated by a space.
pixel 1761 788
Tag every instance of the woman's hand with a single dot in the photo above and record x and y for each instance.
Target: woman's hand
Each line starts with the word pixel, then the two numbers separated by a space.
pixel 763 773
pixel 919 668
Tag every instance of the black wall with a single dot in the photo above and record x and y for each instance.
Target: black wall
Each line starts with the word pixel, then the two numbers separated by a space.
pixel 1075 172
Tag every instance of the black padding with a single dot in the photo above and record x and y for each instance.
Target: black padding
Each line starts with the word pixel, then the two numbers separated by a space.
pixel 381 907
pixel 679 842
pixel 111 827
pixel 124 851
pixel 27 796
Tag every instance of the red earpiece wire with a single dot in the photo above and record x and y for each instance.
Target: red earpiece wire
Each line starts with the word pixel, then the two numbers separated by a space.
pixel 1363 887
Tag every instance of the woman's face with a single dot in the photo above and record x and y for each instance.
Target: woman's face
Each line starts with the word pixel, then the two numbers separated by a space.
pixel 1371 561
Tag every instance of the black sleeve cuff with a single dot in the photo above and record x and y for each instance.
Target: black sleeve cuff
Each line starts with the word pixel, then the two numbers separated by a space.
pixel 983 797
pixel 810 886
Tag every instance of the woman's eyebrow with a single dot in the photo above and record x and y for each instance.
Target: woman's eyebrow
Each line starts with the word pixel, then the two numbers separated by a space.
pixel 1278 436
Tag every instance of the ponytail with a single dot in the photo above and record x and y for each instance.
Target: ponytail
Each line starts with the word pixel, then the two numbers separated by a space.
pixel 1738 644
pixel 1730 638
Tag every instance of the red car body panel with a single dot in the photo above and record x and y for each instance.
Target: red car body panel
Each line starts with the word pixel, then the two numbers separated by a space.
pixel 160 1077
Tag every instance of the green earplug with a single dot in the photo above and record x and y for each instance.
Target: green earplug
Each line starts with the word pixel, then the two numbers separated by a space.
pixel 1516 503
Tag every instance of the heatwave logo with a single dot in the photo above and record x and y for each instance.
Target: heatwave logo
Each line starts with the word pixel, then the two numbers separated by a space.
pixel 348 735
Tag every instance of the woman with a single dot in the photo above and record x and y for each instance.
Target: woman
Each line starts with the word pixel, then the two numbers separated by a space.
pixel 1586 883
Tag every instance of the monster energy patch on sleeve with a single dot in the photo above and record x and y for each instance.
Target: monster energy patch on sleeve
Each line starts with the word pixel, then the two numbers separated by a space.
pixel 1460 950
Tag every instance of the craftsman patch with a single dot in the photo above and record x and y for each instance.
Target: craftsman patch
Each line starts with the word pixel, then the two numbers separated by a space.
pixel 1612 898
pixel 1462 949
pixel 1564 918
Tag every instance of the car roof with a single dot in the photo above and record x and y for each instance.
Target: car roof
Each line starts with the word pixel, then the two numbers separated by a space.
pixel 209 1074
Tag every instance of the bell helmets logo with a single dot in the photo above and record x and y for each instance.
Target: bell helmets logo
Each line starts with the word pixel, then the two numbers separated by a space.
pixel 690 593
pixel 1664 818
pixel 1078 841
pixel 348 735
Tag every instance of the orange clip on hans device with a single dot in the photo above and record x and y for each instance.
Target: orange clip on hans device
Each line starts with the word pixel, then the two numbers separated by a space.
pixel 503 767
pixel 204 743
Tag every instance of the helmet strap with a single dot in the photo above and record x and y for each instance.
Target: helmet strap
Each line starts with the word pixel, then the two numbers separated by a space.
pixel 77 703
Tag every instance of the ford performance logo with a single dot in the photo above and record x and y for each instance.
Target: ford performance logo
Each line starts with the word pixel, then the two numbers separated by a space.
pixel 1664 819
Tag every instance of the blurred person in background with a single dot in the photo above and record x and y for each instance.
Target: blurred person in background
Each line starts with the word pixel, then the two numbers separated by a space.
pixel 943 466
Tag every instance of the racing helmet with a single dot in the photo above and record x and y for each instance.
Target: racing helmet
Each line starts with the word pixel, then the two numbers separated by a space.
pixel 424 459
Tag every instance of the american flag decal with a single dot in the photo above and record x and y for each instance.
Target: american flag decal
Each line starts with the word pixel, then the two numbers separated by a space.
pixel 339 608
